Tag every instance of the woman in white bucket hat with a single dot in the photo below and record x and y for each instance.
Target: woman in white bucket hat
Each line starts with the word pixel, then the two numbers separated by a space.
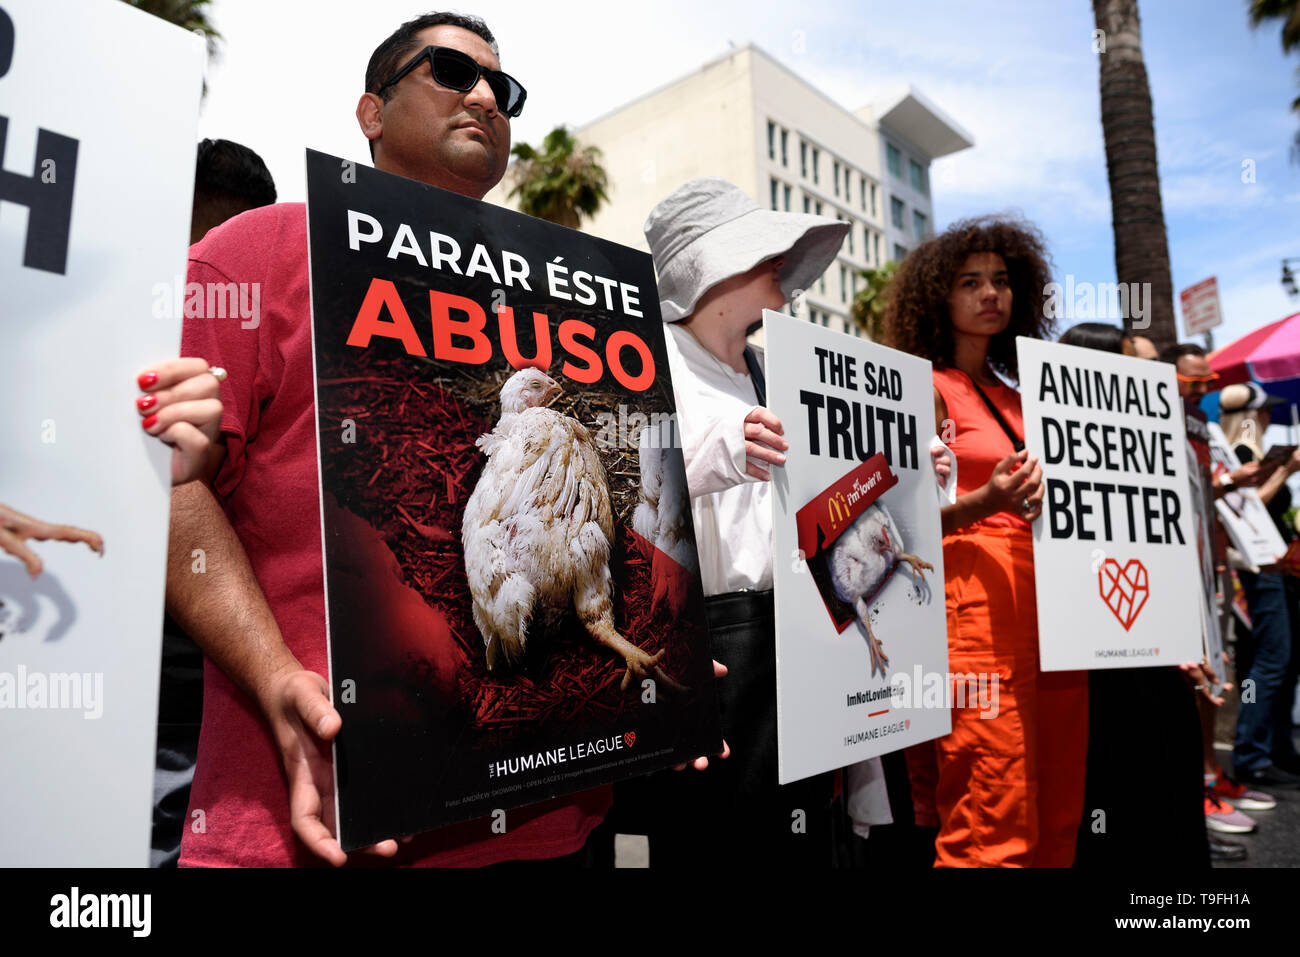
pixel 721 260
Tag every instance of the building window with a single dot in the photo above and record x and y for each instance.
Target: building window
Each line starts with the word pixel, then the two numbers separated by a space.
pixel 862 195
pixel 918 224
pixel 896 210
pixel 786 192
pixel 848 185
pixel 844 285
pixel 899 253
pixel 774 195
pixel 853 288
pixel 817 162
pixel 893 158
pixel 807 205
pixel 918 176
pixel 875 241
pixel 785 155
pixel 873 200
pixel 819 207
pixel 771 140
pixel 821 284
pixel 803 159
pixel 850 237
pixel 835 169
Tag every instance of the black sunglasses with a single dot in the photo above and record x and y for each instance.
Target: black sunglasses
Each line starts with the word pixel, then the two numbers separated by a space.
pixel 458 71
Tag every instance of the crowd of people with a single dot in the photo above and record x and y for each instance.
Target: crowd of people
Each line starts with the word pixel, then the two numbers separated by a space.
pixel 1011 791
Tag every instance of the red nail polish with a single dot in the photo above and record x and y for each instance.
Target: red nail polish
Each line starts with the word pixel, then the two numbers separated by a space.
pixel 149 422
pixel 147 380
pixel 145 403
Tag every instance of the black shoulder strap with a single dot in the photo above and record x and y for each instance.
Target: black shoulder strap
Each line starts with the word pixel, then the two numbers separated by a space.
pixel 1016 442
pixel 756 374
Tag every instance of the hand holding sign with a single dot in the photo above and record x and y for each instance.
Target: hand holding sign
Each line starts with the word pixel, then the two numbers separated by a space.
pixel 763 441
pixel 1016 486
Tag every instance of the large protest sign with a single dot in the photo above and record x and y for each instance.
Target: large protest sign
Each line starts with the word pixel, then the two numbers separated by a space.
pixel 861 635
pixel 501 628
pixel 95 197
pixel 1200 474
pixel 1115 548
pixel 1245 516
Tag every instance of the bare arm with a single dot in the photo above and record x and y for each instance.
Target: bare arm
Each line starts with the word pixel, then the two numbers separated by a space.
pixel 1015 480
pixel 1273 484
pixel 227 614
pixel 223 607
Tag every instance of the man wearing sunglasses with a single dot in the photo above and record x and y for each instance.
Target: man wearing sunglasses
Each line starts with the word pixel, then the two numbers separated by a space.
pixel 436 109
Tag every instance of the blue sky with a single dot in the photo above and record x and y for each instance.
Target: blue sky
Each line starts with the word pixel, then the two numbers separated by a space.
pixel 1021 76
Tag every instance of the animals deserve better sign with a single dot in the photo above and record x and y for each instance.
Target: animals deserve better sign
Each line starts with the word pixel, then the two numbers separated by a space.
pixel 1114 549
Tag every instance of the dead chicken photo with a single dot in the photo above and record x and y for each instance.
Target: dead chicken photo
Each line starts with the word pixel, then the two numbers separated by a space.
pixel 537 531
pixel 862 561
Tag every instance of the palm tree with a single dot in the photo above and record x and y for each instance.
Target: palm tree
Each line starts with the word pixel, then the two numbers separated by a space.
pixel 562 182
pixel 1288 11
pixel 1137 215
pixel 870 302
pixel 188 14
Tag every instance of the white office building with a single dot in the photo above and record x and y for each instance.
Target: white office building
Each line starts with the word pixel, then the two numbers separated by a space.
pixel 751 120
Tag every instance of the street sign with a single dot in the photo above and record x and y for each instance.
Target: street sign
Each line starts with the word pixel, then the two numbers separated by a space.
pixel 1200 303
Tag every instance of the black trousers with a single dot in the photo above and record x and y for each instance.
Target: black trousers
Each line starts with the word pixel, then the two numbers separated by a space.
pixel 735 814
pixel 1143 773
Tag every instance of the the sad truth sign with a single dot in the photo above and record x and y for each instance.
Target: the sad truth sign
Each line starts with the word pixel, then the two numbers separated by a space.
pixel 1114 551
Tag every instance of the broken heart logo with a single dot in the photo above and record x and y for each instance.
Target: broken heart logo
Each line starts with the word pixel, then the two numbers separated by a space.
pixel 629 738
pixel 1124 590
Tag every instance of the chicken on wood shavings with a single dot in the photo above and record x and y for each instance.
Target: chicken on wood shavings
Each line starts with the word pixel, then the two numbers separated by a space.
pixel 537 531
pixel 862 560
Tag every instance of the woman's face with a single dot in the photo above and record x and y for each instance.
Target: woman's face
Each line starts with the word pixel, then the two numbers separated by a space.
pixel 745 296
pixel 979 302
pixel 1126 347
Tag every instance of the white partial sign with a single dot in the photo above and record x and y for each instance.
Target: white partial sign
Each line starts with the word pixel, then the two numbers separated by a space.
pixel 1242 511
pixel 1115 547
pixel 1200 303
pixel 861 632
pixel 98 118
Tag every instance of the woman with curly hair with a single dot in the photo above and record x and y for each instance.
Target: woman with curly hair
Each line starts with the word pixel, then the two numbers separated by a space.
pixel 1005 788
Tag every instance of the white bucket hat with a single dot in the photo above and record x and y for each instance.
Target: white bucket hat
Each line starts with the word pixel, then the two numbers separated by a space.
pixel 708 230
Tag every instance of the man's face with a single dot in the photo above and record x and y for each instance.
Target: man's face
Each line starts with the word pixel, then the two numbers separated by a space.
pixel 458 141
pixel 1196 368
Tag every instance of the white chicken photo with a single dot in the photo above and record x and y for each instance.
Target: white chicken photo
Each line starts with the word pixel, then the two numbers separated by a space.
pixel 537 532
pixel 862 561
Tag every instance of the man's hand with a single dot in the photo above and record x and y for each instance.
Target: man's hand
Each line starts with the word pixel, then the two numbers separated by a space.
pixel 700 763
pixel 16 528
pixel 181 406
pixel 303 722
pixel 763 441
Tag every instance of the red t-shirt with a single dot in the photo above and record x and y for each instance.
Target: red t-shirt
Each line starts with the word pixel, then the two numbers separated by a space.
pixel 978 441
pixel 269 489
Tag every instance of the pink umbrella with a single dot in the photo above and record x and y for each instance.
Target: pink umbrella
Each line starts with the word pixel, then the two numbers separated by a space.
pixel 1270 356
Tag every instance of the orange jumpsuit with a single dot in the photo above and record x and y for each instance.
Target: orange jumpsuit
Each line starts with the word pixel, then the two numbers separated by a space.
pixel 1005 791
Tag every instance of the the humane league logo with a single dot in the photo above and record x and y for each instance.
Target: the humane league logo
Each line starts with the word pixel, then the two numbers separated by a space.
pixel 1124 590
pixel 582 751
